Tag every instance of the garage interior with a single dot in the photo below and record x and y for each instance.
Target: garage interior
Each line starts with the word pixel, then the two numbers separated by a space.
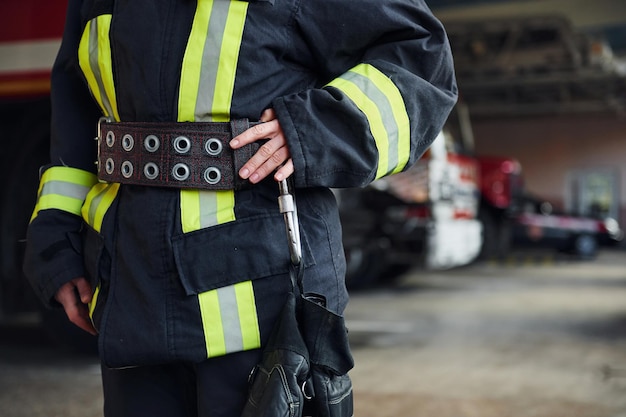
pixel 545 83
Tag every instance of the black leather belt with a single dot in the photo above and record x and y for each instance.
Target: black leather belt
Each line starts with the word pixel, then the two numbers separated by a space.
pixel 180 155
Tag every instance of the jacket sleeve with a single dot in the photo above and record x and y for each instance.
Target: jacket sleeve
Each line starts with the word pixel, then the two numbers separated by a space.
pixel 388 87
pixel 53 249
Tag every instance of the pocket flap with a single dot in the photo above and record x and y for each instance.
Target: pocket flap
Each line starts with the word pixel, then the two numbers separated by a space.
pixel 234 252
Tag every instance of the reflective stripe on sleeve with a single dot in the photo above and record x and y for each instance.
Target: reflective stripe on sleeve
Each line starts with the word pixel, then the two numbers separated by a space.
pixel 229 319
pixel 63 188
pixel 381 102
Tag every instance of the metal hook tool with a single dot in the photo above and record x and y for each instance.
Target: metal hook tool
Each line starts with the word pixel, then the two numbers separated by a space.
pixel 287 206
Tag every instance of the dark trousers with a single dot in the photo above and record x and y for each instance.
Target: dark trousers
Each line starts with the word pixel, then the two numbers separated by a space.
pixel 217 387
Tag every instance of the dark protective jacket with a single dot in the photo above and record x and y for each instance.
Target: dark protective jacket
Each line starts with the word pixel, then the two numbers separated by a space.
pixel 361 88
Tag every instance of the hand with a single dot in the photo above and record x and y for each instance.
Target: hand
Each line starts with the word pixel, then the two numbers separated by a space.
pixel 272 155
pixel 74 296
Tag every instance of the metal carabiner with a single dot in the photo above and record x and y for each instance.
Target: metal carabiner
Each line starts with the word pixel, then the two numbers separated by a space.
pixel 287 206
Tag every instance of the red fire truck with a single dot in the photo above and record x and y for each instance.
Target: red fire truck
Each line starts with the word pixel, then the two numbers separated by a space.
pixel 427 216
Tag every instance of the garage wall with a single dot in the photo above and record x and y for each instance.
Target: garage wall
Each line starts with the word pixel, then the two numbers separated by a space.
pixel 552 149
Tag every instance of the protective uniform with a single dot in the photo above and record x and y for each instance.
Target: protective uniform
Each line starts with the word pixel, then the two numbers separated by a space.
pixel 361 88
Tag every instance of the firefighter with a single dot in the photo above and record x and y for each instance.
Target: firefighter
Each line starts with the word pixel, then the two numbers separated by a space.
pixel 171 247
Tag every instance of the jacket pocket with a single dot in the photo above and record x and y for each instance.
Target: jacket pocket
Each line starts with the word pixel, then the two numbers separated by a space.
pixel 97 265
pixel 234 252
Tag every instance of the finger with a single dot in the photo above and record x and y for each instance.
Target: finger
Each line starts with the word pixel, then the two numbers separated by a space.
pixel 263 163
pixel 79 315
pixel 259 131
pixel 285 171
pixel 75 310
pixel 267 115
pixel 84 289
pixel 265 152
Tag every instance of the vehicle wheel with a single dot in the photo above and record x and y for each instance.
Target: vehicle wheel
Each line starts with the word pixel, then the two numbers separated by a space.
pixel 393 272
pixel 585 246
pixel 496 235
pixel 364 267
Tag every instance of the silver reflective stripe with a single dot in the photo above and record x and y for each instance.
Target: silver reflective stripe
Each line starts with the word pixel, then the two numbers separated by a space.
pixel 211 54
pixel 230 319
pixel 66 189
pixel 208 209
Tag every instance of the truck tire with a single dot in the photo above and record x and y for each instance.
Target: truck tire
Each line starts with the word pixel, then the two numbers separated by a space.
pixel 496 235
pixel 585 246
pixel 364 267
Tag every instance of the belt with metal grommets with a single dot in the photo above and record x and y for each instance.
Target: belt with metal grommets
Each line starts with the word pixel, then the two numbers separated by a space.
pixel 179 155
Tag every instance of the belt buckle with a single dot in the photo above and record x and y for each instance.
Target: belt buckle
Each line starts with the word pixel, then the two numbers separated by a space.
pixel 100 121
pixel 98 138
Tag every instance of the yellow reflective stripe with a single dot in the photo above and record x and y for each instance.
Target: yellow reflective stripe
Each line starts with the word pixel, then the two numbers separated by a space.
pixel 190 210
pixel 374 118
pixel 60 202
pixel 105 62
pixel 98 202
pixel 94 301
pixel 192 62
pixel 229 57
pixel 95 60
pixel 381 102
pixel 249 322
pixel 229 319
pixel 200 209
pixel 210 61
pixel 225 206
pixel 212 324
pixel 85 65
pixel 206 89
pixel 63 188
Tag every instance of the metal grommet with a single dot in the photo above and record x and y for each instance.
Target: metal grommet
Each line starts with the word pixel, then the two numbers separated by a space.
pixel 213 146
pixel 109 166
pixel 127 169
pixel 151 170
pixel 182 144
pixel 110 138
pixel 306 395
pixel 128 142
pixel 151 143
pixel 212 175
pixel 180 172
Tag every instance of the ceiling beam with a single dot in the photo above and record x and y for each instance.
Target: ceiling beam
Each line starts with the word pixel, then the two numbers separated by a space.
pixel 585 14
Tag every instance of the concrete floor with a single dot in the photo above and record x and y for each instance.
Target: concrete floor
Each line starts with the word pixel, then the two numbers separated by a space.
pixel 533 337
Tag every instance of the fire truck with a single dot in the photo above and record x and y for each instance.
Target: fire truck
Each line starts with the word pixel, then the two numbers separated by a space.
pixel 425 216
